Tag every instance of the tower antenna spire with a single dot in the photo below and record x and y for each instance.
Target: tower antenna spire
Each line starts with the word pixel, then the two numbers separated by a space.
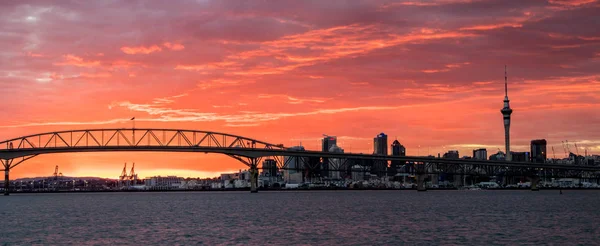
pixel 505 82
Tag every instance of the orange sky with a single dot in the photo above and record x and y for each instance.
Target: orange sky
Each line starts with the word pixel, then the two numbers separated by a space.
pixel 427 72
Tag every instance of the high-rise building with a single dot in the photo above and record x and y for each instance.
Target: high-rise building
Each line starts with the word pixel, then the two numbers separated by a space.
pixel 538 150
pixel 335 164
pixel 500 156
pixel 380 146
pixel 397 150
pixel 326 144
pixel 269 167
pixel 293 173
pixel 519 156
pixel 506 112
pixel 452 154
pixel 480 154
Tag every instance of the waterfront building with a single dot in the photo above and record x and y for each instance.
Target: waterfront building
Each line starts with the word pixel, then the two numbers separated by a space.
pixel 326 144
pixel 380 144
pixel 506 112
pixel 269 168
pixel 480 154
pixel 293 173
pixel 451 154
pixel 538 151
pixel 164 183
pixel 335 164
pixel 520 156
pixel 500 156
pixel 397 150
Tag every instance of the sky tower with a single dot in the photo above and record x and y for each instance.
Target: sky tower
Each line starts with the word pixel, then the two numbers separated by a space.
pixel 506 112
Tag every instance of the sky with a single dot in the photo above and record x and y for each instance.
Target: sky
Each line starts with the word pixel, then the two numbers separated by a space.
pixel 427 73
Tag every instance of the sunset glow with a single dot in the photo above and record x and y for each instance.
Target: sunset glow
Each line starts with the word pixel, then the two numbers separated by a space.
pixel 429 73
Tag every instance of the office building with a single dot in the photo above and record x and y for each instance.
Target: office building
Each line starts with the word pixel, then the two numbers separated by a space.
pixel 452 154
pixel 335 164
pixel 519 156
pixel 293 172
pixel 326 144
pixel 500 156
pixel 397 150
pixel 538 151
pixel 269 168
pixel 380 144
pixel 480 154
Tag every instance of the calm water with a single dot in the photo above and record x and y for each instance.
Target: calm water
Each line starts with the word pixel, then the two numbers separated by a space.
pixel 309 218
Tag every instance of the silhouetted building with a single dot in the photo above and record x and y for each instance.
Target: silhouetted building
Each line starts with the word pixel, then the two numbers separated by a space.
pixel 500 156
pixel 451 154
pixel 313 170
pixel 519 156
pixel 293 173
pixel 380 144
pixel 397 150
pixel 326 144
pixel 380 147
pixel 335 164
pixel 538 151
pixel 480 154
pixel 269 168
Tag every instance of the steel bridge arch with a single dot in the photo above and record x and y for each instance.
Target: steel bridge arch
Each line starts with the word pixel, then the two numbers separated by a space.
pixel 119 132
pixel 244 149
pixel 124 139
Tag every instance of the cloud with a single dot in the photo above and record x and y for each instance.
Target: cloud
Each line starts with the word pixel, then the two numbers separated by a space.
pixel 173 46
pixel 140 50
pixel 491 27
pixel 72 60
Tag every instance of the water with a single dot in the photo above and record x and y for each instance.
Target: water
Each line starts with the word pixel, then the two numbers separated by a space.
pixel 304 217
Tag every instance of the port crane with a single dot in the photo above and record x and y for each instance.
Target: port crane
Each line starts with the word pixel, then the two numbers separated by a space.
pixel 56 173
pixel 128 179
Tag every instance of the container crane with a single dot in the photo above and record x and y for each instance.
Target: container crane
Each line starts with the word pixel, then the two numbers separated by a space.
pixel 576 149
pixel 553 154
pixel 124 172
pixel 132 175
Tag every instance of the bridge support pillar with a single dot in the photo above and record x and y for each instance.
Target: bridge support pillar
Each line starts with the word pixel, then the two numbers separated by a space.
pixel 6 182
pixel 534 183
pixel 253 176
pixel 421 182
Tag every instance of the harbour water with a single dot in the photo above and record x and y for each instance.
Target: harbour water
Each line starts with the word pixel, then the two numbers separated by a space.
pixel 303 217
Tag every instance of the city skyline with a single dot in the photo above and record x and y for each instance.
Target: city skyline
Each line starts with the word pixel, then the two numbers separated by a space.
pixel 249 69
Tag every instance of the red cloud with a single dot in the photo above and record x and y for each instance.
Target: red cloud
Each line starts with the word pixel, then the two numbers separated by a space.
pixel 140 50
pixel 72 60
pixel 173 46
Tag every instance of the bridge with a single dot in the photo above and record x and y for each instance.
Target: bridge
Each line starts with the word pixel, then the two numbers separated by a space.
pixel 251 151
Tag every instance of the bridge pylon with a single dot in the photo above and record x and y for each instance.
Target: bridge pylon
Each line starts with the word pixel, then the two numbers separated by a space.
pixel 534 183
pixel 6 182
pixel 7 165
pixel 253 175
